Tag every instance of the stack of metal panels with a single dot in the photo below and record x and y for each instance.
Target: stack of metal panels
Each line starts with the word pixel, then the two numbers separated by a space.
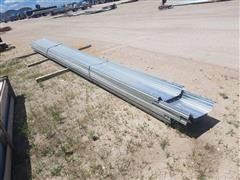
pixel 165 100
pixel 190 2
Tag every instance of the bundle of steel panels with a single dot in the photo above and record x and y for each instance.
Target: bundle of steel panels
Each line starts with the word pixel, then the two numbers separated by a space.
pixel 190 2
pixel 6 125
pixel 165 100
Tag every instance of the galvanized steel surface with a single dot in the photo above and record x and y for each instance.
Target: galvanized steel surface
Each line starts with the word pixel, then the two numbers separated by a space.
pixel 190 2
pixel 164 100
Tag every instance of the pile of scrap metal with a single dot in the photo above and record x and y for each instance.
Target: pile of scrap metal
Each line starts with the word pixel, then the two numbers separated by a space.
pixel 73 8
pixel 7 97
pixel 97 10
pixel 5 29
pixel 130 1
pixel 164 100
pixel 54 10
pixel 103 9
pixel 38 12
pixel 94 2
pixel 108 8
pixel 61 10
pixel 4 46
pixel 85 4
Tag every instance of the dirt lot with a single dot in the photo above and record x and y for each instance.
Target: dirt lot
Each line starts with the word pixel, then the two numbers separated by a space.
pixel 68 128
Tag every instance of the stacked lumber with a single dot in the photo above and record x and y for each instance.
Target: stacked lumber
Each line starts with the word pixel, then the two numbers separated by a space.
pixel 6 124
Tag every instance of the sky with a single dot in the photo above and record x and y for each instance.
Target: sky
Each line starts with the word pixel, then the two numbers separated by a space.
pixel 16 4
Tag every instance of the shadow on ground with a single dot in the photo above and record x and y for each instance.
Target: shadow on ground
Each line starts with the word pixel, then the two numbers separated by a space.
pixel 200 127
pixel 21 158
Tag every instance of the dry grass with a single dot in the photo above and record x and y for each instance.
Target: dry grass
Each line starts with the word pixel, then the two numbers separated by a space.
pixel 204 160
pixel 223 95
pixel 164 142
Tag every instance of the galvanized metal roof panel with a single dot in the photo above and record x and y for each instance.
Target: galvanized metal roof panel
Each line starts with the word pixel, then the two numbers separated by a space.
pixel 189 2
pixel 74 56
pixel 155 87
pixel 160 97
pixel 144 83
pixel 43 45
pixel 195 105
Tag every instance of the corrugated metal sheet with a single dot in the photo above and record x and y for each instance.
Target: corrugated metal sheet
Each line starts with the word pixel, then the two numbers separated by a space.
pixel 190 2
pixel 165 100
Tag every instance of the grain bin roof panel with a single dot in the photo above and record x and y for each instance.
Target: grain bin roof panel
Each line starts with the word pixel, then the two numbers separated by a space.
pixel 146 84
pixel 138 88
pixel 74 56
pixel 43 45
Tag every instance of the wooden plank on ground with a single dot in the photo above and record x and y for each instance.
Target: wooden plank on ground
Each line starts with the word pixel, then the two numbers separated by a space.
pixel 38 62
pixel 51 75
pixel 85 47
pixel 25 56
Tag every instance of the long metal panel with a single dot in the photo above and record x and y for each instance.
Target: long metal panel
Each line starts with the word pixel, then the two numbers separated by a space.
pixel 195 105
pixel 165 100
pixel 190 2
pixel 145 83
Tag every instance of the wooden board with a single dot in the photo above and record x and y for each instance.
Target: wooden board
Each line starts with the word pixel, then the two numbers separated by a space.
pixel 51 75
pixel 85 47
pixel 36 63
